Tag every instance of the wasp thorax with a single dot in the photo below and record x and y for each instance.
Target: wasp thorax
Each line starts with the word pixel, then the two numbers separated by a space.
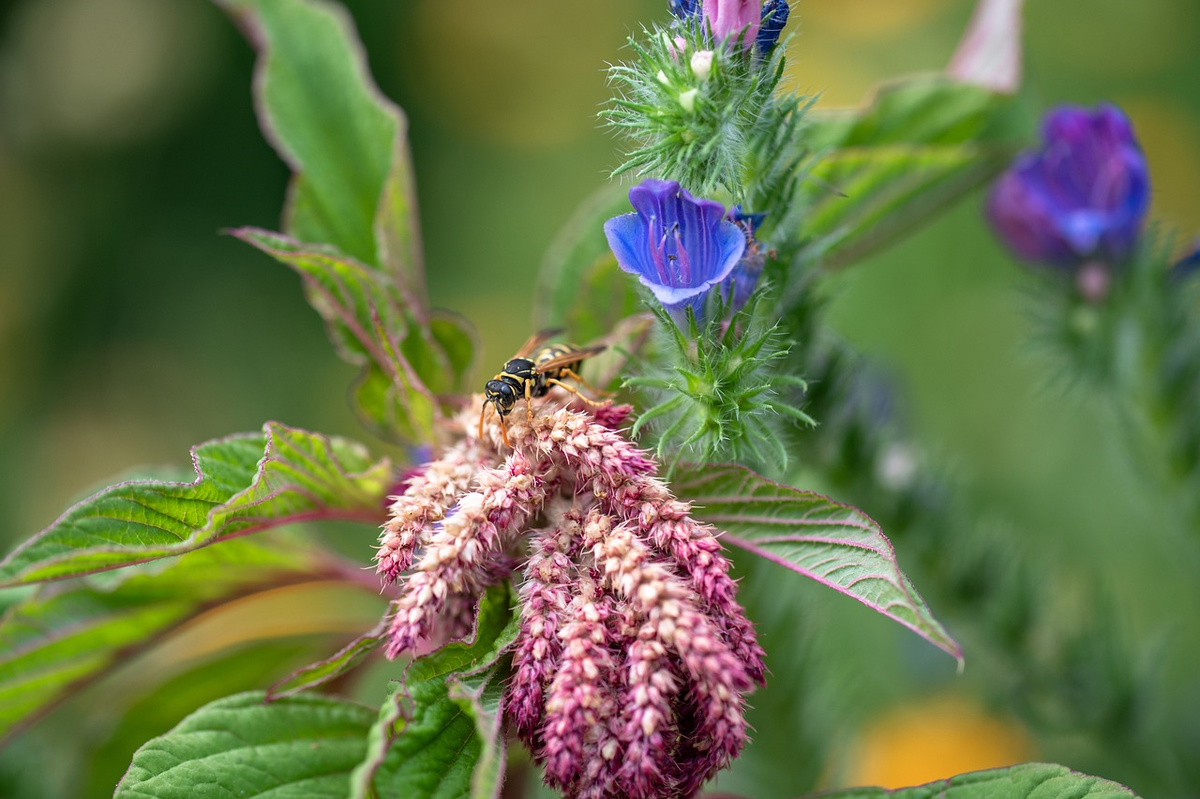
pixel 520 368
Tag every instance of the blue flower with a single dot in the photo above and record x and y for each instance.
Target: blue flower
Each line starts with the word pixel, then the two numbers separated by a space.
pixel 774 17
pixel 678 246
pixel 1081 197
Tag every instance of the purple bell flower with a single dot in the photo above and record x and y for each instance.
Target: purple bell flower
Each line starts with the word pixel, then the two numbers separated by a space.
pixel 1081 197
pixel 678 246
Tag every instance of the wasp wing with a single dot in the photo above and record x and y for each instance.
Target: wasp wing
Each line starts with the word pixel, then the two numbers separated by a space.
pixel 536 340
pixel 570 357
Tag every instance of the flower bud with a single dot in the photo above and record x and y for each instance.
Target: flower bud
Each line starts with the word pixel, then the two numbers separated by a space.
pixel 687 99
pixel 702 61
pixel 728 18
pixel 1081 198
pixel 774 18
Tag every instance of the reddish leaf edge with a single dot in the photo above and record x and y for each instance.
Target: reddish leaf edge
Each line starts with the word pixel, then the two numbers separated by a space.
pixel 949 645
pixel 328 514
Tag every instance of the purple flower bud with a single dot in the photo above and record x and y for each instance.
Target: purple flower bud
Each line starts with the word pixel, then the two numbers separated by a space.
pixel 774 17
pixel 684 9
pixel 730 17
pixel 678 246
pixel 1081 197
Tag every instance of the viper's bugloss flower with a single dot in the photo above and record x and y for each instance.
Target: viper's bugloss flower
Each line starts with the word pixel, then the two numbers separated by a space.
pixel 678 246
pixel 744 278
pixel 633 659
pixel 774 18
pixel 1082 197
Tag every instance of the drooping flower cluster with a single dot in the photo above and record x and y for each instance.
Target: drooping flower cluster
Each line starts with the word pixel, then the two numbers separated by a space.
pixel 633 658
pixel 1079 202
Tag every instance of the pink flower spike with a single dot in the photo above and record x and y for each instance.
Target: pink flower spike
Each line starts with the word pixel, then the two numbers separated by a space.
pixel 461 551
pixel 545 595
pixel 669 614
pixel 648 720
pixel 582 696
pixel 427 496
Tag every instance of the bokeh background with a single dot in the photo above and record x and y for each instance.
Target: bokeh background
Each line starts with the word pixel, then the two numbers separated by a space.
pixel 130 328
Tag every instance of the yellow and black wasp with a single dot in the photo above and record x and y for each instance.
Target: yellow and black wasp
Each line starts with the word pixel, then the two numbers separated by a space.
pixel 531 373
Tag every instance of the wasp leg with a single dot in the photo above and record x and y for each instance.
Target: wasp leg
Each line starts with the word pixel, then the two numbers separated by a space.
pixel 577 392
pixel 504 432
pixel 578 379
pixel 528 401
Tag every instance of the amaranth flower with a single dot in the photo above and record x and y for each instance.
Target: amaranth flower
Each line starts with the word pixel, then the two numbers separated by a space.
pixel 1081 198
pixel 633 660
pixel 678 246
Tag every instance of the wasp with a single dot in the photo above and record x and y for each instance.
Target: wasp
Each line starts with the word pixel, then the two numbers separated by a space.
pixel 532 372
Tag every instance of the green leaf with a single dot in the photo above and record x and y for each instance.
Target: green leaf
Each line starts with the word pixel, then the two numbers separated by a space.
pixel 834 544
pixel 323 671
pixel 345 141
pixel 68 633
pixel 371 327
pixel 244 483
pixel 239 746
pixel 580 286
pixel 883 169
pixel 1026 781
pixel 438 734
pixel 352 228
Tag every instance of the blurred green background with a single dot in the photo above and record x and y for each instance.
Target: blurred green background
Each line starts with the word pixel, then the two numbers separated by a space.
pixel 130 328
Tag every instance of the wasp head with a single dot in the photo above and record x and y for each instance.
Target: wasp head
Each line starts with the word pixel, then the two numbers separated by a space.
pixel 502 395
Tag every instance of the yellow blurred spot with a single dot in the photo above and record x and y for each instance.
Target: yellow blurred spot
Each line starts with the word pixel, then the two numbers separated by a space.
pixel 870 19
pixel 1122 38
pixel 307 609
pixel 491 81
pixel 934 740
pixel 1169 132
pixel 845 50
pixel 831 70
